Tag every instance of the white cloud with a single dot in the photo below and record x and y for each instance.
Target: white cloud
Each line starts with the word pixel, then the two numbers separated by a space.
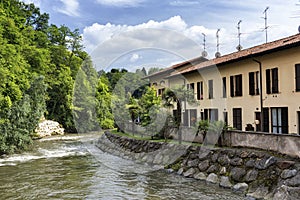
pixel 120 3
pixel 171 38
pixel 37 3
pixel 135 57
pixel 184 3
pixel 98 33
pixel 70 8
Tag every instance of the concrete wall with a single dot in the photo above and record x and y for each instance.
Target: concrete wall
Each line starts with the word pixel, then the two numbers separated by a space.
pixel 287 144
pixel 189 135
pixel 281 143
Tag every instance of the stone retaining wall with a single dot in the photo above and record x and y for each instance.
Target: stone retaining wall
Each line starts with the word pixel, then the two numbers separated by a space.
pixel 256 174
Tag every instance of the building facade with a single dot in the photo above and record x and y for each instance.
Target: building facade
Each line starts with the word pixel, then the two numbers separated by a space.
pixel 253 89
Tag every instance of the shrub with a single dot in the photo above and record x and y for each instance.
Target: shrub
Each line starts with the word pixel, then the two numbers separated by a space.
pixel 107 124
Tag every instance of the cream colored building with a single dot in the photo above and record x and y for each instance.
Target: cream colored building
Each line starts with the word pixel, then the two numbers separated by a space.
pixel 229 88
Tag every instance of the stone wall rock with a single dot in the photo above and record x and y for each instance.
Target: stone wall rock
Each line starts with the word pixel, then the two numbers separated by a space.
pixel 257 174
pixel 47 128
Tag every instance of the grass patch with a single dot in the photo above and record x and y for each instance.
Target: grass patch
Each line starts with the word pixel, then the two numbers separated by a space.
pixel 148 138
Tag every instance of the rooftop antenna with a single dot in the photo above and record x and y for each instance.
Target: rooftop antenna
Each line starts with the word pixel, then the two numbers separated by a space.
pixel 204 53
pixel 239 47
pixel 218 54
pixel 266 22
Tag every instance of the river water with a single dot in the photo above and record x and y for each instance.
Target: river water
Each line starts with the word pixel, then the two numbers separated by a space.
pixel 74 168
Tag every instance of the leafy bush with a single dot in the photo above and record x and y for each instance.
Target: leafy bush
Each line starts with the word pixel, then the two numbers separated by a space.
pixel 107 124
pixel 202 127
pixel 19 122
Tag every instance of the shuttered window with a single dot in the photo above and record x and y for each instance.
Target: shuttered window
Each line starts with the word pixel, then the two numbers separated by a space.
pixel 200 90
pixel 210 89
pixel 297 72
pixel 236 85
pixel 272 81
pixel 224 87
pixel 254 83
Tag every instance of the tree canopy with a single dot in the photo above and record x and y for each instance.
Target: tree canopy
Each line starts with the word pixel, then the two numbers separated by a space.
pixel 45 72
pixel 32 50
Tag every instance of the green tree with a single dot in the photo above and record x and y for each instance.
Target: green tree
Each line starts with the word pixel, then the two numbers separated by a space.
pixel 29 47
pixel 18 123
pixel 134 110
pixel 84 103
pixel 104 98
pixel 149 104
pixel 114 76
pixel 176 97
pixel 153 70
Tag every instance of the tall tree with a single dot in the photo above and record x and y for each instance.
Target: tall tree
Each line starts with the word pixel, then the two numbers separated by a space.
pixel 104 98
pixel 175 97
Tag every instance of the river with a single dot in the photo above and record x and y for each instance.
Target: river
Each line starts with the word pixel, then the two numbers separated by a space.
pixel 72 167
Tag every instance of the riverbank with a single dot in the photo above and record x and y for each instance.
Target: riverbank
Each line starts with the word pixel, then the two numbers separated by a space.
pixel 251 173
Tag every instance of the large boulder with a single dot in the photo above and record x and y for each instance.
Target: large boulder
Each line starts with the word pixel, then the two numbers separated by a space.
pixel 48 128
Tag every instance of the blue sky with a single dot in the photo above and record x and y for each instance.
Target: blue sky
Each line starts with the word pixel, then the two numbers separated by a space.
pixel 135 33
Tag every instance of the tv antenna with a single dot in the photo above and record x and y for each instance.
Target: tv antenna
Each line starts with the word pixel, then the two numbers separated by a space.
pixel 239 47
pixel 218 54
pixel 266 22
pixel 204 53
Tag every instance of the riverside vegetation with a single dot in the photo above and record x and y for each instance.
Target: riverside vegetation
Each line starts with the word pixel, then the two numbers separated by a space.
pixel 45 72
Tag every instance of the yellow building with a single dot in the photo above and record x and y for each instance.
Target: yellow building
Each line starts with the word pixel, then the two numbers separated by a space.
pixel 235 88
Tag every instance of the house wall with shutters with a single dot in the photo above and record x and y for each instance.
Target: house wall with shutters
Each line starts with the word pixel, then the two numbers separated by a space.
pixel 286 97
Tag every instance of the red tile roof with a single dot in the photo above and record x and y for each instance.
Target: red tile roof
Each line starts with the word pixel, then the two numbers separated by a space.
pixel 192 62
pixel 263 49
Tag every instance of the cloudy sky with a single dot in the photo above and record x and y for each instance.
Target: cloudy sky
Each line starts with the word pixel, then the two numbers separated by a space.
pixel 158 33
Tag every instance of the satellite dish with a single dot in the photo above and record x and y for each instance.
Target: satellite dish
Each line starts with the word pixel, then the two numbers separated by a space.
pixel 239 47
pixel 218 55
pixel 299 29
pixel 204 54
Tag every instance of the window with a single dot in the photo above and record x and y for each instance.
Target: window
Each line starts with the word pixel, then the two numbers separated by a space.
pixel 202 116
pixel 266 126
pixel 237 118
pixel 272 81
pixel 265 120
pixel 161 91
pixel 279 120
pixel 193 117
pixel 211 115
pixel 297 72
pixel 224 87
pixel 210 89
pixel 189 117
pixel 191 87
pixel 200 90
pixel 254 83
pixel 236 86
pixel 225 118
pixel 257 117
